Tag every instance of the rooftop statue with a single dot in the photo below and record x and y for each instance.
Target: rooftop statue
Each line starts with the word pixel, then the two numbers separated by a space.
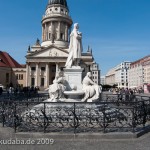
pixel 75 47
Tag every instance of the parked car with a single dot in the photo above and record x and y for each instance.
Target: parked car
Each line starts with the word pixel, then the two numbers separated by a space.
pixel 1 89
pixel 1 86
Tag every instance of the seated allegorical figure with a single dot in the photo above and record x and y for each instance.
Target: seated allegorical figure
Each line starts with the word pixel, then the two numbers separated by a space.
pixel 57 88
pixel 91 89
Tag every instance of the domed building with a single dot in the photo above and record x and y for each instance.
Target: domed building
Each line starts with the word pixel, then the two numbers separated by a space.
pixel 62 2
pixel 47 57
pixel 56 24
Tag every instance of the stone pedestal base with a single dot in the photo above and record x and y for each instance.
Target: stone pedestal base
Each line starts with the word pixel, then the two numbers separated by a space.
pixel 74 77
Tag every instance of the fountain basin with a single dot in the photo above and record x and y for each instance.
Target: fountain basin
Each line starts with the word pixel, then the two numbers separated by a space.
pixel 74 94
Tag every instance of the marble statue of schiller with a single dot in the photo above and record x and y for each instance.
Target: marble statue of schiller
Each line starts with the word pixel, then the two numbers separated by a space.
pixel 75 47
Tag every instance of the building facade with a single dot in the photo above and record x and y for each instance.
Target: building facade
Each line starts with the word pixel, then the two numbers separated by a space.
pixel 139 74
pixel 95 73
pixel 19 76
pixel 118 75
pixel 11 72
pixel 48 57
pixel 121 74
pixel 110 77
pixel 103 80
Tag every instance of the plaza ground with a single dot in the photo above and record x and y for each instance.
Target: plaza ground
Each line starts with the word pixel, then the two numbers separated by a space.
pixel 141 143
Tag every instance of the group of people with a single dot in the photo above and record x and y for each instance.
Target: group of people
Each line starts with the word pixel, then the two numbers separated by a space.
pixel 19 90
pixel 129 94
pixel 132 90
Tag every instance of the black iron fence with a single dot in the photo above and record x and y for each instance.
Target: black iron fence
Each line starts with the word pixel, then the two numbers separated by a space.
pixel 110 114
pixel 37 97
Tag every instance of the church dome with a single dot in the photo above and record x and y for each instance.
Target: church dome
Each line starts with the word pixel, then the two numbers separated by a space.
pixel 61 2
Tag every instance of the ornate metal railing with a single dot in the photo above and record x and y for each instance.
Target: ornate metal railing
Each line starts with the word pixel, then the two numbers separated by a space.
pixel 123 97
pixel 25 97
pixel 110 115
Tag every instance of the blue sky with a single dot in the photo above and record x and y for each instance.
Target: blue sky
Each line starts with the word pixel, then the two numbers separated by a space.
pixel 116 30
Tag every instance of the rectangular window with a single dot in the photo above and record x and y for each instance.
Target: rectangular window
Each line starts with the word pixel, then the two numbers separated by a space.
pixel 21 77
pixel 42 81
pixel 32 81
pixel 16 76
pixel 42 68
pixel 33 68
pixel 61 36
pixel 53 68
pixel 7 77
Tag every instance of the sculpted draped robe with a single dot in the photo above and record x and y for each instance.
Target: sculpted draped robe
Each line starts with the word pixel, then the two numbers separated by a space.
pixel 75 47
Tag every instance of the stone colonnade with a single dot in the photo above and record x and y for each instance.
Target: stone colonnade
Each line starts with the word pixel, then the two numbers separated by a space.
pixel 36 75
pixel 50 29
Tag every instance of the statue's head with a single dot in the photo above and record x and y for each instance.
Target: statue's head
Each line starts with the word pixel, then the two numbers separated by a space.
pixel 57 76
pixel 89 74
pixel 76 26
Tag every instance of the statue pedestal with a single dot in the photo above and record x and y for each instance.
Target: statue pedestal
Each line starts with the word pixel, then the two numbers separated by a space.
pixel 74 77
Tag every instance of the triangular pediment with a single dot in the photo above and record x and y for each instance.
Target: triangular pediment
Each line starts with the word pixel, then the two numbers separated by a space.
pixel 51 51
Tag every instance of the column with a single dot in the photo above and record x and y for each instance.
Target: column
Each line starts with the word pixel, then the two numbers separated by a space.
pixel 42 33
pixel 52 30
pixel 37 75
pixel 46 30
pixel 59 27
pixel 47 76
pixel 27 75
pixel 45 33
pixel 66 33
pixel 57 67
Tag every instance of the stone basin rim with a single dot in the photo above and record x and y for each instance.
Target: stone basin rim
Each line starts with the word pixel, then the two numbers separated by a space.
pixel 73 92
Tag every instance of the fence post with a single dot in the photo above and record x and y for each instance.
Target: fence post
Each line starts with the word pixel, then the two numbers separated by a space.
pixel 15 123
pixel 100 97
pixel 27 102
pixel 133 118
pixel 74 121
pixel 104 118
pixel 38 97
pixel 44 119
pixel 145 113
pixel 3 116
